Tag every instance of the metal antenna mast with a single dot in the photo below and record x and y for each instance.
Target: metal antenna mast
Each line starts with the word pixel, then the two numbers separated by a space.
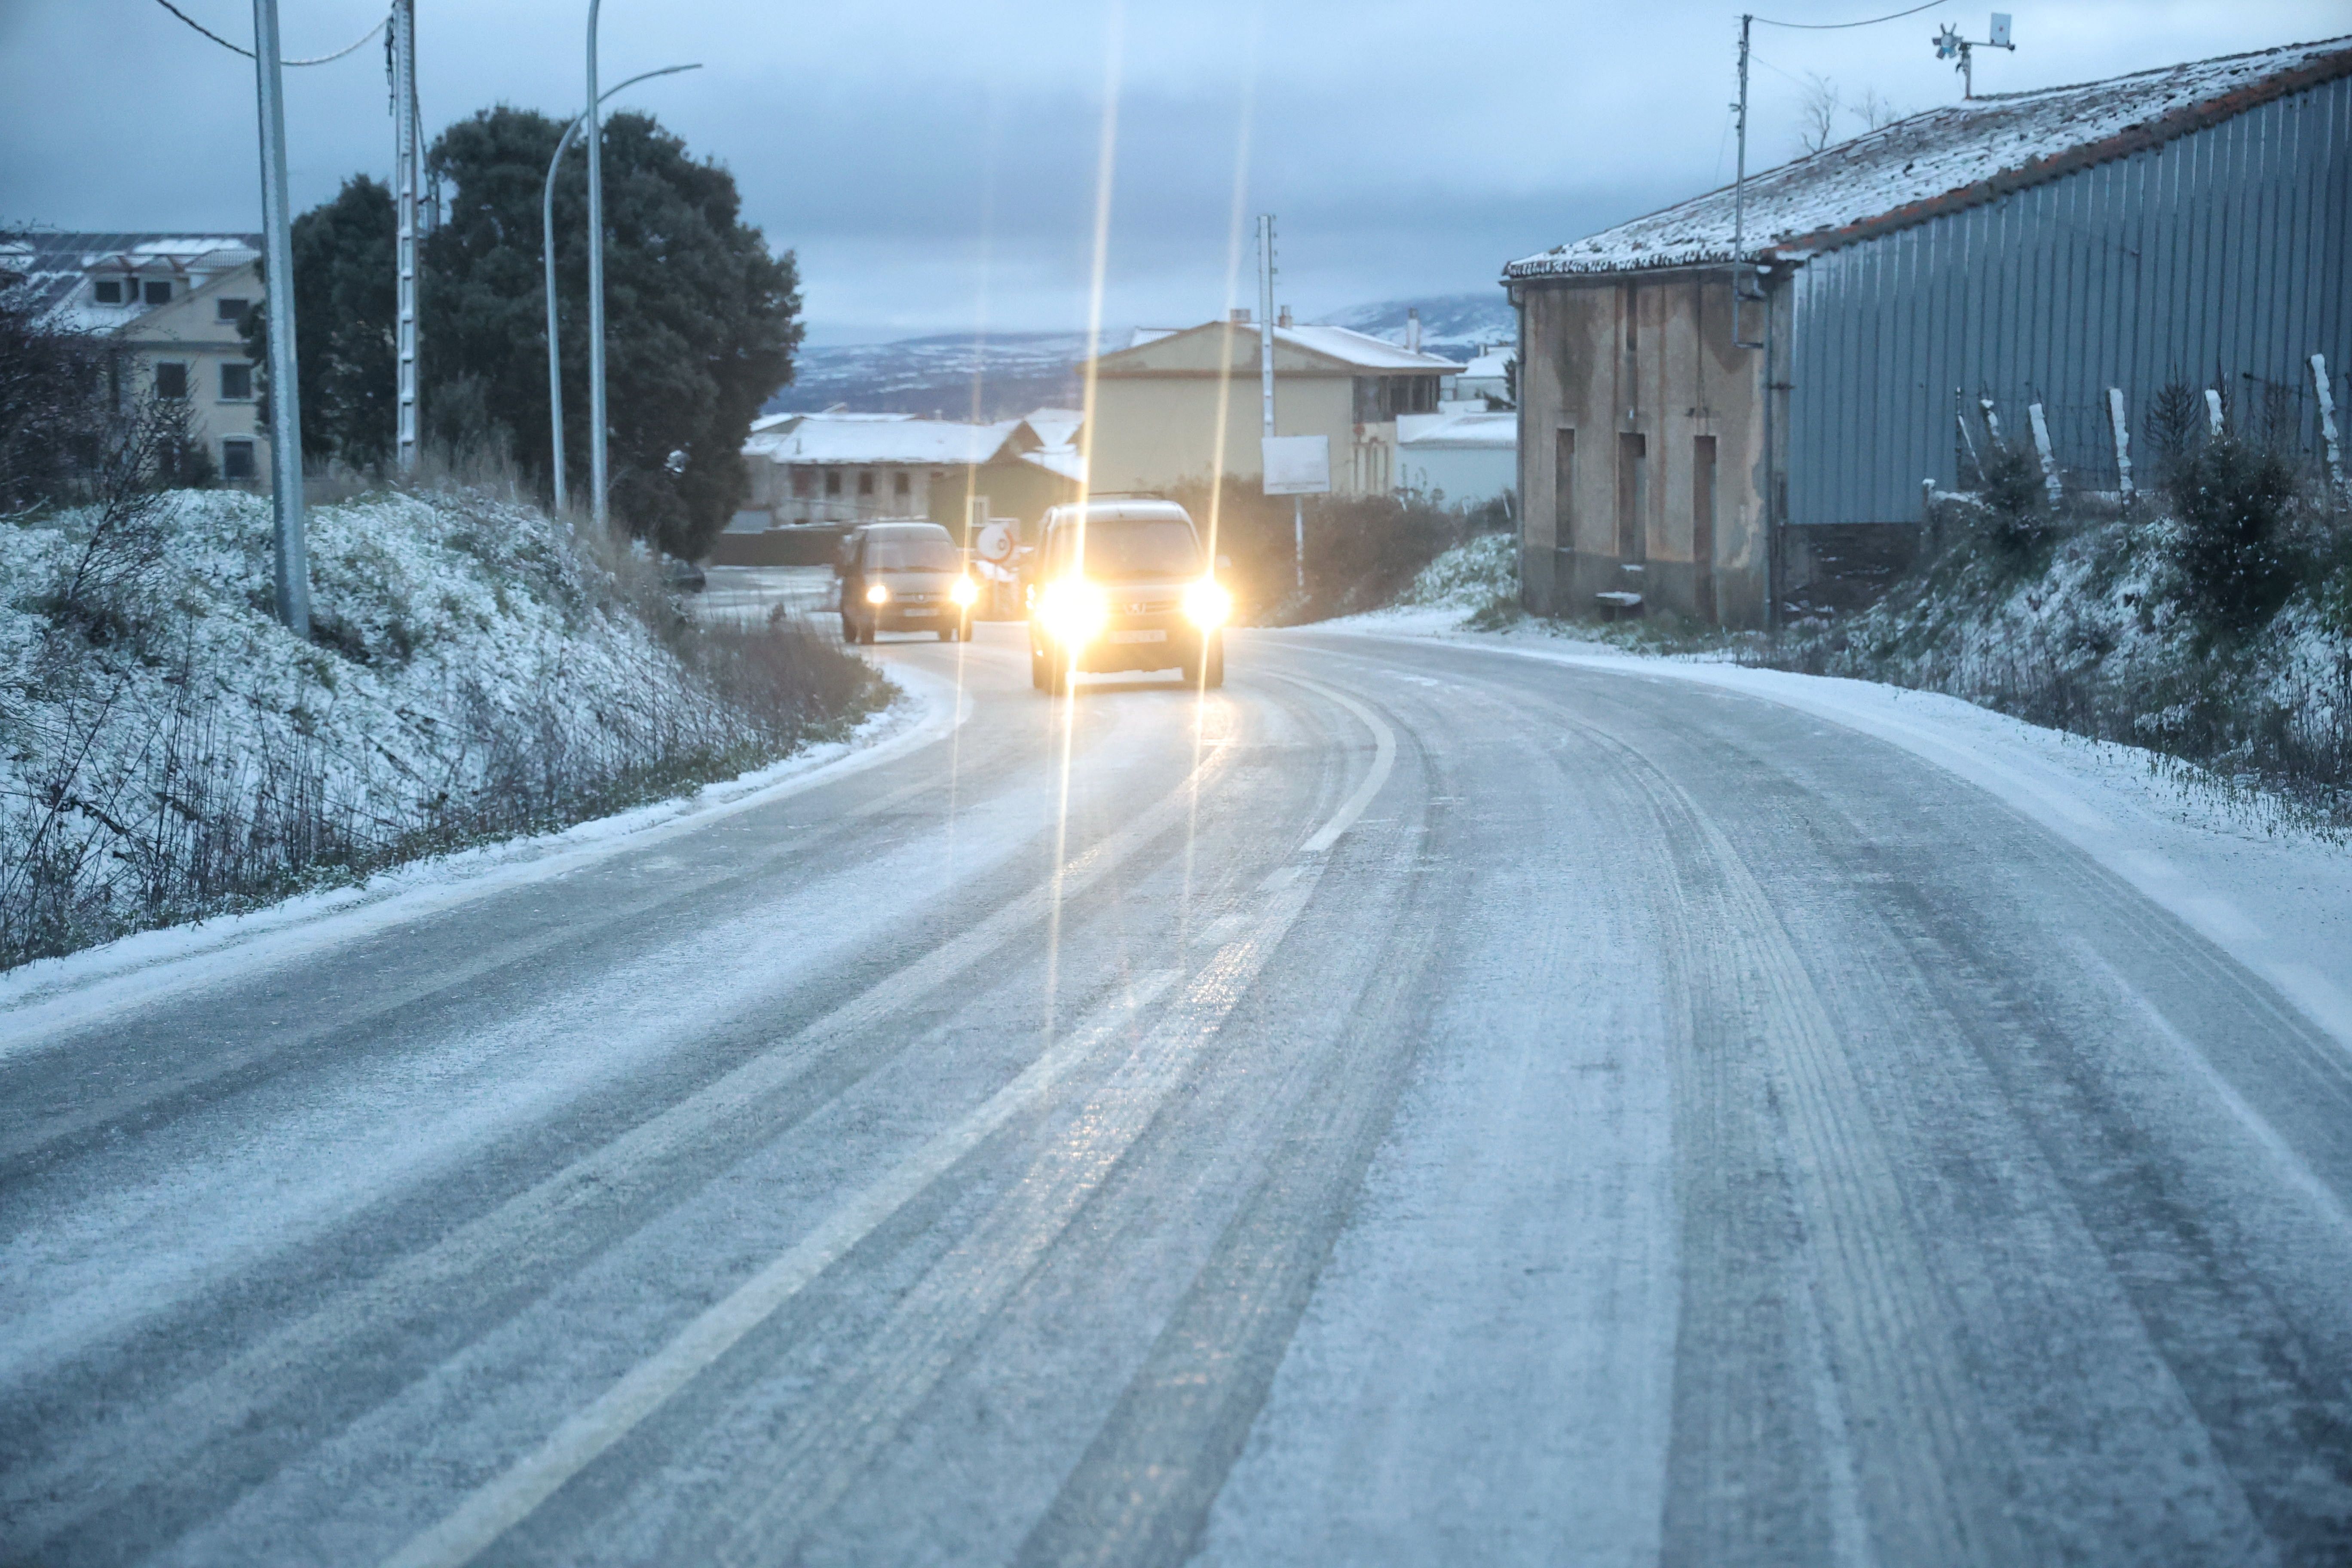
pixel 404 161
pixel 285 390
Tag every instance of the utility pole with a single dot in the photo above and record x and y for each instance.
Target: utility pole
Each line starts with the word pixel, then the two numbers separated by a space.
pixel 1265 385
pixel 404 161
pixel 293 595
pixel 1740 199
pixel 595 132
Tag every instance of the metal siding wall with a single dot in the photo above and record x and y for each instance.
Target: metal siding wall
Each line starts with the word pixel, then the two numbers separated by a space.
pixel 2226 252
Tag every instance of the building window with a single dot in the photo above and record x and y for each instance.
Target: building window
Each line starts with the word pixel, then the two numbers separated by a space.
pixel 159 291
pixel 171 380
pixel 237 460
pixel 833 481
pixel 237 382
pixel 902 485
pixel 231 310
pixel 108 290
pixel 1633 496
pixel 866 481
pixel 1563 489
pixel 803 483
pixel 1703 524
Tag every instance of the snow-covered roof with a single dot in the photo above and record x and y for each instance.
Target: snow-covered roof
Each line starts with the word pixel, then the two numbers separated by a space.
pixel 1945 160
pixel 1490 366
pixel 1142 336
pixel 1357 351
pixel 1360 349
pixel 1423 432
pixel 1064 462
pixel 880 439
pixel 1056 427
pixel 54 268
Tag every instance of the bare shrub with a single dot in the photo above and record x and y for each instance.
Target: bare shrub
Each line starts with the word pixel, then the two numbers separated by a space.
pixel 1361 552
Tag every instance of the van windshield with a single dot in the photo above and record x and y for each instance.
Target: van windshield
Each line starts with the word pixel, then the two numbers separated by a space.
pixel 1131 547
pixel 910 553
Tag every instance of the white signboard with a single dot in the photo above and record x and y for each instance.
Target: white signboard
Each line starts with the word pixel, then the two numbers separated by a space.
pixel 1297 465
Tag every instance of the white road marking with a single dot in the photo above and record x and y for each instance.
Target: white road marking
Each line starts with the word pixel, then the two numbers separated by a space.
pixel 497 1507
pixel 1383 759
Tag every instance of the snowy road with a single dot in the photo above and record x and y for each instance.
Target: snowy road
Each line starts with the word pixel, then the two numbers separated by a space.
pixel 1420 1106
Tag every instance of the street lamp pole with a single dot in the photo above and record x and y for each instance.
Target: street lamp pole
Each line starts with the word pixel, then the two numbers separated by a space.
pixel 547 246
pixel 596 456
pixel 293 585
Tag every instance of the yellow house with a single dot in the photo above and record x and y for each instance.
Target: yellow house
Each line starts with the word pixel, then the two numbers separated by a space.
pixel 176 303
pixel 1158 403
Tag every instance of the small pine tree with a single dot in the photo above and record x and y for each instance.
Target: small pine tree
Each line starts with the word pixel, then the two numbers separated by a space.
pixel 2232 501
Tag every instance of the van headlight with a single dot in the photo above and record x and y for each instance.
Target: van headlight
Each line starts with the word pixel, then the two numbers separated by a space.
pixel 1073 612
pixel 878 594
pixel 964 592
pixel 1206 605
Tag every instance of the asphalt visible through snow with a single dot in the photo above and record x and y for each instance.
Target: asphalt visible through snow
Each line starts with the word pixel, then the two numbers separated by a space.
pixel 1413 1106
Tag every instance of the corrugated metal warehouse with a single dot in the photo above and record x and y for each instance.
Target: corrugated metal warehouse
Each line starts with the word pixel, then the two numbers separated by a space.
pixel 2192 224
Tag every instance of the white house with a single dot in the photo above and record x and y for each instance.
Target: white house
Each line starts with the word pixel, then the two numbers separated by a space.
pixel 1465 457
pixel 174 302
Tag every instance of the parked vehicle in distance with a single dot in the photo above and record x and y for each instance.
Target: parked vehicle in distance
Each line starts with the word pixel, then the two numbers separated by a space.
pixel 903 577
pixel 1124 585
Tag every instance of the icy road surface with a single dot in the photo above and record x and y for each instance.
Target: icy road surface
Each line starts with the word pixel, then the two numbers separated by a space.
pixel 1419 1106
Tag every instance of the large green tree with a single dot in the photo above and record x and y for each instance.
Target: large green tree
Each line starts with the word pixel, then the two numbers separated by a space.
pixel 701 322
pixel 344 295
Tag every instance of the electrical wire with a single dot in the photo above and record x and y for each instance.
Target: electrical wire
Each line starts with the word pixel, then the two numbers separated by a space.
pixel 1834 26
pixel 237 49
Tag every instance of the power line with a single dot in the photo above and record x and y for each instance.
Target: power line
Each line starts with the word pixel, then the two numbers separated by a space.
pixel 240 49
pixel 1867 22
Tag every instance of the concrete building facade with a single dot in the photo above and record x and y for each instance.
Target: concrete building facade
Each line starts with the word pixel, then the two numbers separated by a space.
pixel 1184 407
pixel 175 304
pixel 2037 250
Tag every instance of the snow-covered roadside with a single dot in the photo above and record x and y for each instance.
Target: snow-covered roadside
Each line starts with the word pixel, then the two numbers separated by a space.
pixel 2273 895
pixel 52 995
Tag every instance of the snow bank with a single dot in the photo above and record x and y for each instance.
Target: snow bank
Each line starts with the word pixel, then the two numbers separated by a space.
pixel 475 671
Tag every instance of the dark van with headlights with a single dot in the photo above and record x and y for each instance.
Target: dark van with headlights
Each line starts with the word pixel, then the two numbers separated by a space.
pixel 903 577
pixel 1124 585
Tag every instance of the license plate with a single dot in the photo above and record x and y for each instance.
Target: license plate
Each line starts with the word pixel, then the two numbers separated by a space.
pixel 911 615
pixel 1138 637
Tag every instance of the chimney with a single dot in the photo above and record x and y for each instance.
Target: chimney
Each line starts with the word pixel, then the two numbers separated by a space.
pixel 1283 320
pixel 1239 315
pixel 1412 330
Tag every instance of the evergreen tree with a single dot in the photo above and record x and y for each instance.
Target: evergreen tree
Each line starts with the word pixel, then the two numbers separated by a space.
pixel 344 304
pixel 701 322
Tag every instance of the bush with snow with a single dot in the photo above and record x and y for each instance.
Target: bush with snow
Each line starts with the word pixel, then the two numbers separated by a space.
pixel 168 750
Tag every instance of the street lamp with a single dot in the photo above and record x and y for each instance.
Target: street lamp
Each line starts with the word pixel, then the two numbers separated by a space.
pixel 595 276
pixel 554 348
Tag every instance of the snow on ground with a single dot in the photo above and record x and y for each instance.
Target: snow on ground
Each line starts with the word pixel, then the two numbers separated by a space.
pixel 475 671
pixel 44 998
pixel 2273 894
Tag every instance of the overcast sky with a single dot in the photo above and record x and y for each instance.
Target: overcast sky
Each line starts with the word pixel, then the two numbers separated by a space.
pixel 935 165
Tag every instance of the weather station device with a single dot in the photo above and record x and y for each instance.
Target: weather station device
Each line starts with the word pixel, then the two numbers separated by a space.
pixel 1949 45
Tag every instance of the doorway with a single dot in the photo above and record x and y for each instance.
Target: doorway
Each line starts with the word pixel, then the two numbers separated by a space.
pixel 1703 526
pixel 1633 496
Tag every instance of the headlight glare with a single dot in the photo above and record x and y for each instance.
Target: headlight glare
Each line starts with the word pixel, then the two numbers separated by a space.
pixel 964 592
pixel 1206 605
pixel 1073 612
pixel 878 594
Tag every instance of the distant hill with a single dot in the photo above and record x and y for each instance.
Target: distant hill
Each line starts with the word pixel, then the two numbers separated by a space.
pixel 1017 372
pixel 1453 324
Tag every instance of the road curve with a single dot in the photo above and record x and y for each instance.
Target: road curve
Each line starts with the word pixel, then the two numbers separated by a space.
pixel 1413 1106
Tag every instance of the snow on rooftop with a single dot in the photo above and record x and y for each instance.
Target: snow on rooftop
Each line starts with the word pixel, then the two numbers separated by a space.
pixel 1946 159
pixel 1360 349
pixel 1424 432
pixel 1056 427
pixel 882 439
